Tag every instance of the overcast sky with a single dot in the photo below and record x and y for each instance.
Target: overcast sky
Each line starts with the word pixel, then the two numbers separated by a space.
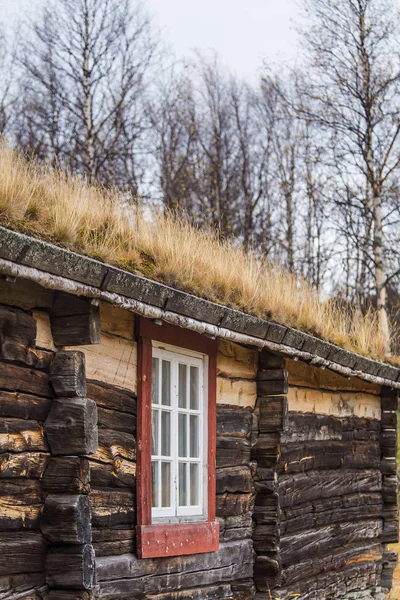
pixel 243 32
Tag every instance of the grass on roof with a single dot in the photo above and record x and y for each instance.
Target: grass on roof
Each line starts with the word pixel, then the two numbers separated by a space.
pixel 66 210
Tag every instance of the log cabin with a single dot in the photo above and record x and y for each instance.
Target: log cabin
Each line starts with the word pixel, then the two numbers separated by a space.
pixel 158 446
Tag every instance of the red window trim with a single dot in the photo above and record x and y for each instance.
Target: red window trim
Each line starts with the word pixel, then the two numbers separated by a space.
pixel 158 539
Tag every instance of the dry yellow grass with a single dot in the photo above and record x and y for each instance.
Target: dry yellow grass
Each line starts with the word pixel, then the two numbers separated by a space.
pixel 66 210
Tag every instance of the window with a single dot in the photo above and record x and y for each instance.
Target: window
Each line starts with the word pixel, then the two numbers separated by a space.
pixel 175 441
pixel 179 439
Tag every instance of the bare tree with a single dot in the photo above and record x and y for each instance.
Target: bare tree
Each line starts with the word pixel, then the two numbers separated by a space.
pixel 354 85
pixel 84 85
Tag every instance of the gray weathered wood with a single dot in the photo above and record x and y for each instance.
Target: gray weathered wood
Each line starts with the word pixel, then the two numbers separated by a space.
pixel 71 567
pixel 67 474
pixel 68 374
pixel 66 519
pixel 75 321
pixel 71 426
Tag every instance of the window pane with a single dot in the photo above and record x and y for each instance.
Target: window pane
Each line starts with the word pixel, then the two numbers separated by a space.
pixel 154 431
pixel 183 487
pixel 194 484
pixel 165 433
pixel 155 391
pixel 166 383
pixel 182 435
pixel 165 484
pixel 194 436
pixel 194 388
pixel 182 386
pixel 154 483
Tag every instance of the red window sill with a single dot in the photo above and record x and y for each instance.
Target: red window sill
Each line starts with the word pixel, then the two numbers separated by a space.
pixel 176 539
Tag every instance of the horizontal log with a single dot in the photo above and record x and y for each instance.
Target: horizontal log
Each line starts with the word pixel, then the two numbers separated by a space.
pixel 115 445
pixel 390 512
pixel 24 464
pixel 21 552
pixel 68 374
pixel 390 532
pixel 71 567
pixel 236 392
pixel 201 593
pixel 29 586
pixel 235 361
pixel 120 473
pixel 15 378
pixel 113 542
pixel 132 576
pixel 303 427
pixel 67 475
pixel 232 451
pixel 234 422
pixel 18 435
pixel 25 294
pixel 358 428
pixel 17 325
pixel 118 421
pixel 24 406
pixel 313 485
pixel 228 505
pixel 266 538
pixel 297 458
pixel 338 404
pixel 296 547
pixel 388 466
pixel 265 450
pixel 331 510
pixel 66 519
pixel 271 388
pixel 272 414
pixel 70 595
pixel 112 397
pixel 20 504
pixel 268 360
pixel 71 426
pixel 267 572
pixel 111 506
pixel 388 441
pixel 234 480
pixel 17 352
pixel 302 374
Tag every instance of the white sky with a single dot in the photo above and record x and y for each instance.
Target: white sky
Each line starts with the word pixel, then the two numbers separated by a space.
pixel 243 32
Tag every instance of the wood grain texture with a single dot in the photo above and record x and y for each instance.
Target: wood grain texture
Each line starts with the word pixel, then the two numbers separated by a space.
pixel 236 392
pixel 235 361
pixel 340 404
pixel 117 321
pixel 112 361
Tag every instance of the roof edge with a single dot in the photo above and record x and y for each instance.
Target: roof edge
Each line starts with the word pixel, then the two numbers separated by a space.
pixel 59 269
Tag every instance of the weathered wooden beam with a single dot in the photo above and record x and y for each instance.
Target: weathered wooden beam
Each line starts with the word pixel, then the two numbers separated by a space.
pixel 68 374
pixel 17 325
pixel 71 426
pixel 71 567
pixel 67 474
pixel 112 506
pixel 112 397
pixel 19 435
pixel 24 406
pixel 20 504
pixel 66 519
pixel 24 465
pixel 272 415
pixel 75 321
pixel 234 480
pixel 14 378
pixel 21 552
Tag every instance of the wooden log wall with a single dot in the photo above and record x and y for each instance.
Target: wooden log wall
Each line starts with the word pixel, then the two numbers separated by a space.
pixel 326 494
pixel 25 401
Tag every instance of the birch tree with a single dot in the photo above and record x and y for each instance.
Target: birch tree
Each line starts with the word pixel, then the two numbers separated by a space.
pixel 354 84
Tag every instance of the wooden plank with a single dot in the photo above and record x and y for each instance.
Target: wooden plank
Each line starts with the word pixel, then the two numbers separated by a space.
pixel 238 392
pixel 44 336
pixel 235 361
pixel 340 404
pixel 20 504
pixel 24 406
pixel 305 375
pixel 25 464
pixel 25 294
pixel 14 378
pixel 21 552
pixel 18 435
pixel 168 540
pixel 116 321
pixel 113 361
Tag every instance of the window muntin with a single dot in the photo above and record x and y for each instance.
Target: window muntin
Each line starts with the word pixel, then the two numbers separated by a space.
pixel 179 437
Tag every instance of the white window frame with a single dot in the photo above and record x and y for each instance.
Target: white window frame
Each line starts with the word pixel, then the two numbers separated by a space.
pixel 175 513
